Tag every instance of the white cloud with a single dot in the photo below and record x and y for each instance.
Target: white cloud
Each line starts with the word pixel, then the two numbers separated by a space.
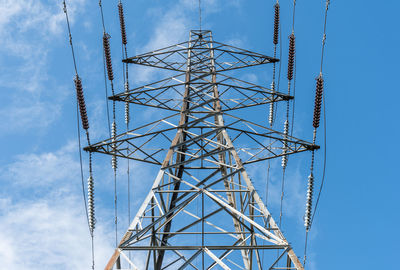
pixel 48 234
pixel 42 212
pixel 42 215
pixel 35 170
pixel 33 15
pixel 27 25
pixel 51 232
pixel 173 26
pixel 23 117
pixel 29 29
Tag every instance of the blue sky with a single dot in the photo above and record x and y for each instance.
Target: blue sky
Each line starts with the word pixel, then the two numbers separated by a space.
pixel 42 222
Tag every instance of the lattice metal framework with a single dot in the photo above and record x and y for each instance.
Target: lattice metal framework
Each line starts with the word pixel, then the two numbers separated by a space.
pixel 202 211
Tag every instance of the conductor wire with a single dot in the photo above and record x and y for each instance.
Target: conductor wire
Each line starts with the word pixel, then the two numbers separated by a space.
pixel 319 95
pixel 272 111
pixel 81 110
pixel 124 53
pixel 200 14
pixel 70 36
pixel 275 42
pixel 294 73
pixel 324 37
pixel 83 185
pixel 324 166
pixel 290 72
pixel 105 76
pixel 108 64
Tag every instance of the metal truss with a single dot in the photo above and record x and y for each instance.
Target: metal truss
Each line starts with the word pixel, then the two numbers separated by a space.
pixel 233 93
pixel 202 211
pixel 226 57
pixel 151 142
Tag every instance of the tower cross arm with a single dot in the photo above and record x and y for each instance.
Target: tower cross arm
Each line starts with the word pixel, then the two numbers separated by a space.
pixel 226 57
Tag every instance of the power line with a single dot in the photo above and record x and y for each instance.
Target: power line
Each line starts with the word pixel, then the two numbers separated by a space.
pixel 319 98
pixel 272 112
pixel 324 111
pixel 200 14
pixel 110 73
pixel 81 110
pixel 124 54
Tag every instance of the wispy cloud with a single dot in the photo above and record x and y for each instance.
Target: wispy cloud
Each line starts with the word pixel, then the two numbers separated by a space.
pixel 173 26
pixel 48 234
pixel 35 170
pixel 28 28
pixel 42 215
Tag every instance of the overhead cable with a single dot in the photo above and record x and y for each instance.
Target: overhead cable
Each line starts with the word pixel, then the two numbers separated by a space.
pixel 81 110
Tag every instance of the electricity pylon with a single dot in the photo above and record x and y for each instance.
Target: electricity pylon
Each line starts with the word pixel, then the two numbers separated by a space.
pixel 202 210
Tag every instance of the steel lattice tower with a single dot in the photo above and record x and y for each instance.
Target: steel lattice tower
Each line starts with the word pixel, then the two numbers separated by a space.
pixel 202 211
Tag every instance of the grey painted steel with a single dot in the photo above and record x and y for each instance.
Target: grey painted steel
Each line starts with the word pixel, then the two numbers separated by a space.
pixel 202 210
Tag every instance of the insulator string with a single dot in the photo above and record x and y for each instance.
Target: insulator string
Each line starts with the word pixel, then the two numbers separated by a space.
pixel 284 165
pixel 126 88
pixel 292 66
pixel 113 132
pixel 292 51
pixel 82 112
pixel 286 123
pixel 310 190
pixel 319 98
pixel 114 165
pixel 276 23
pixel 107 54
pixel 122 23
pixel 319 94
pixel 81 164
pixel 290 75
pixel 124 54
pixel 324 166
pixel 81 102
pixel 113 136
pixel 290 71
pixel 271 107
pixel 294 97
pixel 272 111
pixel 91 208
pixel 275 42
pixel 285 144
pixel 110 72
pixel 91 229
pixel 127 117
pixel 309 198
pixel 106 96
pixel 104 70
pixel 277 85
